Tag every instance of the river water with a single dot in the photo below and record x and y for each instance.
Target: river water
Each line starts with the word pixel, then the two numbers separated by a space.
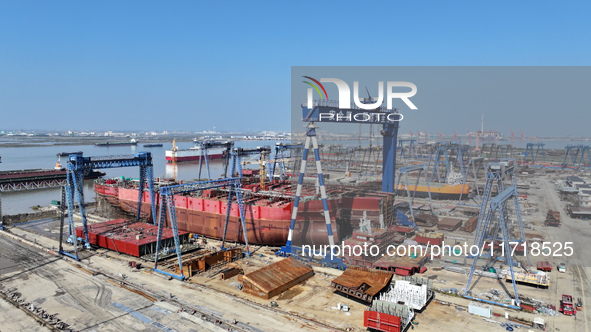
pixel 45 156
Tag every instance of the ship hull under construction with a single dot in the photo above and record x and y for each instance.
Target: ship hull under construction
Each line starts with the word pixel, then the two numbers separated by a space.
pixel 268 216
pixel 445 192
pixel 265 225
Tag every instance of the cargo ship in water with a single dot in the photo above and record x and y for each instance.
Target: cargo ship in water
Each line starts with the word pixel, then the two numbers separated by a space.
pixel 192 154
pixel 268 210
pixel 132 142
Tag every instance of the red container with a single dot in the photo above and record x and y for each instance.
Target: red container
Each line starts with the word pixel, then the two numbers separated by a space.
pixel 544 266
pixel 403 272
pixel 381 322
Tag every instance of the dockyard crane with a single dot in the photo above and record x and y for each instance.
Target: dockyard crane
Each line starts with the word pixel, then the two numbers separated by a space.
pixel 205 145
pixel 167 204
pixel 442 153
pixel 233 185
pixel 280 149
pixel 410 145
pixel 78 166
pixel 404 171
pixel 573 151
pixel 263 153
pixel 529 151
pixel 488 226
pixel 474 166
pixel 389 119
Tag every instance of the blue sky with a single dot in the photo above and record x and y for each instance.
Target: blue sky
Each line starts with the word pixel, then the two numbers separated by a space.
pixel 195 65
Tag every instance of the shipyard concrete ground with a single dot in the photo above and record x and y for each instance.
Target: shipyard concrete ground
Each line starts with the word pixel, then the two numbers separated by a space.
pixel 93 302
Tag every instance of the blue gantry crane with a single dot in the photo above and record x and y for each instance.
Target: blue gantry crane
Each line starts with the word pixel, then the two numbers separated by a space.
pixel 573 151
pixel 168 205
pixel 441 158
pixel 404 171
pixel 280 149
pixel 232 183
pixel 492 207
pixel 474 166
pixel 78 166
pixel 205 146
pixel 288 249
pixel 410 146
pixel 323 109
pixel 262 151
pixel 533 156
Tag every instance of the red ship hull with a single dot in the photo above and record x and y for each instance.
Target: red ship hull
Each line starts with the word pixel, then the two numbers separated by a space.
pixel 266 223
pixel 192 158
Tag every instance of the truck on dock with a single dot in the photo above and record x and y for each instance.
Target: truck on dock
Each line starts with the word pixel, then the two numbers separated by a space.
pixel 566 305
pixel 552 219
pixel 544 266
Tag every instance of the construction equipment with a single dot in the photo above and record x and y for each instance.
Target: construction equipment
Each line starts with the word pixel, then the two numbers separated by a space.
pixel 280 149
pixel 441 157
pixel 404 171
pixel 205 145
pixel 474 167
pixel 488 226
pixel 533 156
pixel 566 305
pixel 288 249
pixel 410 147
pixel 78 166
pixel 167 203
pixel 573 151
pixel 311 115
pixel 263 153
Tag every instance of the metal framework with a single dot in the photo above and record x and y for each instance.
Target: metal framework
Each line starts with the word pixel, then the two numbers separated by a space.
pixel 573 151
pixel 410 146
pixel 288 249
pixel 474 166
pixel 262 151
pixel 488 227
pixel 529 152
pixel 390 135
pixel 280 149
pixel 30 185
pixel 404 171
pixel 168 204
pixel 205 145
pixel 441 157
pixel 78 166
